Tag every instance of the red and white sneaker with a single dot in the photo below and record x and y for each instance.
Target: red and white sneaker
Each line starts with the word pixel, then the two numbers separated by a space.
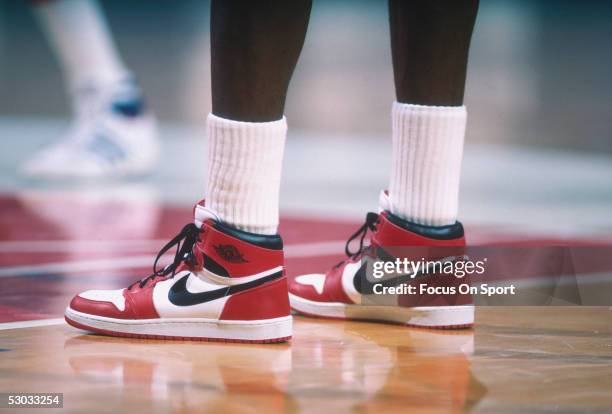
pixel 346 292
pixel 223 285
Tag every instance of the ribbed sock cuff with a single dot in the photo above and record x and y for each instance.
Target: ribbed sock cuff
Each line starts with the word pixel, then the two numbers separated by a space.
pixel 245 160
pixel 426 166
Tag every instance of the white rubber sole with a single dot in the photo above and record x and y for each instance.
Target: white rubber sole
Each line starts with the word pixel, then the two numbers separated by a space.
pixel 267 330
pixel 449 317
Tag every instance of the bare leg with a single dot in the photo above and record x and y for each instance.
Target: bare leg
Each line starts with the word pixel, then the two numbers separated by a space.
pixel 430 40
pixel 255 46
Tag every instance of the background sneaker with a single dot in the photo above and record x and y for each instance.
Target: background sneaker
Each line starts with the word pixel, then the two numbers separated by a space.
pixel 112 135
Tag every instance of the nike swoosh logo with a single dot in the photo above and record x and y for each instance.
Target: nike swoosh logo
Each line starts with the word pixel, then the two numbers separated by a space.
pixel 178 294
pixel 364 286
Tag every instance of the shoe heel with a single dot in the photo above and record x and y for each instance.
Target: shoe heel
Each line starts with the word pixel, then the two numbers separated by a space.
pixel 268 301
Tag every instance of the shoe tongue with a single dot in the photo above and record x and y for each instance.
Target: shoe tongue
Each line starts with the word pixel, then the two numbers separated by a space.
pixel 202 213
pixel 384 202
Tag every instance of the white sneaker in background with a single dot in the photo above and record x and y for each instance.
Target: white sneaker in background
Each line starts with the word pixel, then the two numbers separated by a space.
pixel 112 135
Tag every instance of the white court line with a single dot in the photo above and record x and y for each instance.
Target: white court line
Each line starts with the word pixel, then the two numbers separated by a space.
pixel 129 262
pixel 52 246
pixel 133 262
pixel 31 324
pixel 325 248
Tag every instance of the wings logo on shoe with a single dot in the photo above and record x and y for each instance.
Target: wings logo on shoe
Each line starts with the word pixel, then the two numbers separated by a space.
pixel 179 295
pixel 230 253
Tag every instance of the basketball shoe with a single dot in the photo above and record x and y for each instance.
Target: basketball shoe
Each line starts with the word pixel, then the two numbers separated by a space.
pixel 223 285
pixel 347 292
pixel 112 135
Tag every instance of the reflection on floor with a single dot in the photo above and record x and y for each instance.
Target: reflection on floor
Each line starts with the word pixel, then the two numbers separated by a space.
pixel 512 362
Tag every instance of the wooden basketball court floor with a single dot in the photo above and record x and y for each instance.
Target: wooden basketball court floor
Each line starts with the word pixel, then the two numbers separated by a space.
pixel 56 240
pixel 52 245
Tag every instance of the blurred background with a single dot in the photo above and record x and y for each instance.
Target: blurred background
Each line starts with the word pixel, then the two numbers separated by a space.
pixel 539 73
pixel 539 96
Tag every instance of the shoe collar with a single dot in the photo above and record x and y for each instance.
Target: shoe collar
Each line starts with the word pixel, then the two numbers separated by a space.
pixel 202 213
pixel 384 202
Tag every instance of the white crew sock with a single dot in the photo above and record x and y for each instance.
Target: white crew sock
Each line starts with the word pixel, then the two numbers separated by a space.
pixel 244 171
pixel 81 41
pixel 426 166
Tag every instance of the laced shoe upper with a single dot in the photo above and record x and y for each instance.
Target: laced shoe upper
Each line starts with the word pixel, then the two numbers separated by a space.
pixel 391 238
pixel 217 272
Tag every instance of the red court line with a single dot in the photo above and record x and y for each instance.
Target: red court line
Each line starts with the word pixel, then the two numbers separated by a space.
pixel 77 220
